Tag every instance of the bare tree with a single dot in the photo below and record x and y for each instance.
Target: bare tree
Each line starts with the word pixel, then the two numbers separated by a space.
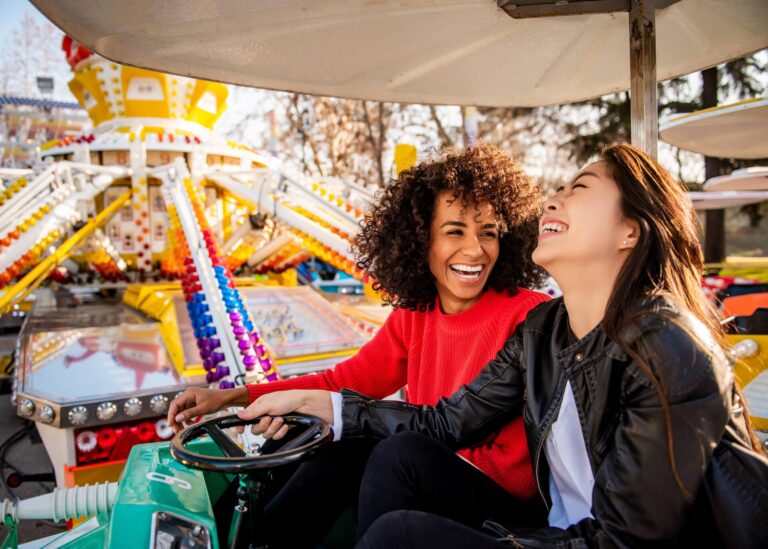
pixel 32 49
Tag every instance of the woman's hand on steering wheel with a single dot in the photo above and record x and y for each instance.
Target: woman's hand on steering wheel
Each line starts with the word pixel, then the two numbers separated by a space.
pixel 273 405
pixel 196 401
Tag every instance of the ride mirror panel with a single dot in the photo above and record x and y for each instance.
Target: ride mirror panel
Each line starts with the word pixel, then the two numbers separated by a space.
pixel 92 359
pixel 295 321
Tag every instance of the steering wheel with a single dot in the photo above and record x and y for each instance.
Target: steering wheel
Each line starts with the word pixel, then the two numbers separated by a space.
pixel 235 460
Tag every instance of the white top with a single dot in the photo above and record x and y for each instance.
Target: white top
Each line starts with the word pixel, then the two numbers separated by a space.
pixel 571 479
pixel 338 424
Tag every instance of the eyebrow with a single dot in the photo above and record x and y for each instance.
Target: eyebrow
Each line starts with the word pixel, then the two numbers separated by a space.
pixel 585 172
pixel 462 224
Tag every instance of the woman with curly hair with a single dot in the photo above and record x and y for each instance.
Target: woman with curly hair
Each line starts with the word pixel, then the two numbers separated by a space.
pixel 449 243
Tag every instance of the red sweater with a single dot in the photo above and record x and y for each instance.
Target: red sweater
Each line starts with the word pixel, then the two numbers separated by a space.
pixel 433 354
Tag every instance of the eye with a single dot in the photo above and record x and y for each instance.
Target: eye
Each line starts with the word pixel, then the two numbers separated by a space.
pixel 457 232
pixel 559 189
pixel 577 185
pixel 489 234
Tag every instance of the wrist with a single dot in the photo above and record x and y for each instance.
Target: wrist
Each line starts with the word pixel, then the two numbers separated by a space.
pixel 239 396
pixel 317 403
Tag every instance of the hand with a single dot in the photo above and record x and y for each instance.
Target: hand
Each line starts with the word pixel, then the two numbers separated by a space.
pixel 313 403
pixel 197 401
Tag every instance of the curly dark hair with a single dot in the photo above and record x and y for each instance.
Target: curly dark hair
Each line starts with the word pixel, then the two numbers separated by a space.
pixel 393 244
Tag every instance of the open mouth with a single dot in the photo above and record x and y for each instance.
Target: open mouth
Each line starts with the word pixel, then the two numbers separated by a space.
pixel 467 273
pixel 552 227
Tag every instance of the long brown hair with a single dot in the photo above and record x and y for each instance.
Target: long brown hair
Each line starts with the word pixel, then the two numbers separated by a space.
pixel 667 259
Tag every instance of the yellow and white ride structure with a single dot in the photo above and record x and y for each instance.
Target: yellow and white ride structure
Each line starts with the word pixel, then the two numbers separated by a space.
pixel 155 206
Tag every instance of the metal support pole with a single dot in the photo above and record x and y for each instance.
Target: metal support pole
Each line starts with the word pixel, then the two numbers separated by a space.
pixel 714 224
pixel 642 63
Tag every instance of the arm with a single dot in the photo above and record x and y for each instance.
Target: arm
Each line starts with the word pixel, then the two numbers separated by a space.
pixel 469 415
pixel 378 369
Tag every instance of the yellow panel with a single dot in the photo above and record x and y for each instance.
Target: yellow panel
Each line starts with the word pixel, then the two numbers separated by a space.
pixel 169 331
pixel 145 93
pixel 84 84
pixel 208 102
pixel 289 277
pixel 81 475
pixel 405 157
pixel 317 356
pixel 748 369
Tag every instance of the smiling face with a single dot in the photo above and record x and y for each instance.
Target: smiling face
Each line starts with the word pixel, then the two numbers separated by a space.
pixel 583 223
pixel 463 248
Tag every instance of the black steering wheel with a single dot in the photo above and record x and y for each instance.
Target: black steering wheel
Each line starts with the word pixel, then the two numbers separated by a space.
pixel 316 433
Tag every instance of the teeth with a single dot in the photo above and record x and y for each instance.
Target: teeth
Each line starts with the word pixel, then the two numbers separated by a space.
pixel 467 268
pixel 552 228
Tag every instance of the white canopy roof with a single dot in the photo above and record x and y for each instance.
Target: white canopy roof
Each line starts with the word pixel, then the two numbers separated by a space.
pixel 739 130
pixel 432 51
pixel 749 179
pixel 717 200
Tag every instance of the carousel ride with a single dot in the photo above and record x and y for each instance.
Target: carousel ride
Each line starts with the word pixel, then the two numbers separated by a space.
pixel 126 241
pixel 455 53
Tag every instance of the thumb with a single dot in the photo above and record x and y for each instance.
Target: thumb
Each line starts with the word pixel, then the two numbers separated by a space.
pixel 255 409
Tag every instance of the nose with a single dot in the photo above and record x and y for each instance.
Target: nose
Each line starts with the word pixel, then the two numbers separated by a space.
pixel 553 203
pixel 472 247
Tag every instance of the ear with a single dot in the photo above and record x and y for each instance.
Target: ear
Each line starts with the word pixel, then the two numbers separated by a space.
pixel 630 234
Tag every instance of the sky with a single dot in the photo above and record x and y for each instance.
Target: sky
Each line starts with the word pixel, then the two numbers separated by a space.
pixel 11 12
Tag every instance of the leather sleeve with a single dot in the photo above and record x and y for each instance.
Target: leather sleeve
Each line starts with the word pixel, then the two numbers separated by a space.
pixel 475 411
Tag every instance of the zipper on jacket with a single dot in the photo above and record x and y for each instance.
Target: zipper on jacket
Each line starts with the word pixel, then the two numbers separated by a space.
pixel 541 444
pixel 503 534
pixel 538 457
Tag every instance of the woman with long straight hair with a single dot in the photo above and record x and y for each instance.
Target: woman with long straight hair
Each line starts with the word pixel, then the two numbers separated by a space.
pixel 637 434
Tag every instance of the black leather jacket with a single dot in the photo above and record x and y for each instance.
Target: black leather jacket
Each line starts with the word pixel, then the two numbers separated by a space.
pixel 636 500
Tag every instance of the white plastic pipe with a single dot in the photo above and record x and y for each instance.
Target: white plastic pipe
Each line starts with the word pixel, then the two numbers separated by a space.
pixel 63 504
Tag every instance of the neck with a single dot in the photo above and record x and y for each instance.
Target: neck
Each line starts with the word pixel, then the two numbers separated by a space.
pixel 585 293
pixel 454 306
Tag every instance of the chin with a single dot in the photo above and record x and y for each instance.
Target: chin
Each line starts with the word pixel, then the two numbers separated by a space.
pixel 539 257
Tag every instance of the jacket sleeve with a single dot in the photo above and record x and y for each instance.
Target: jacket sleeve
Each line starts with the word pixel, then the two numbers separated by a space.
pixel 468 416
pixel 636 499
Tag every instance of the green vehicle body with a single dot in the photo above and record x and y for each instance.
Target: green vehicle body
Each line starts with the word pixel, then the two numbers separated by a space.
pixel 152 481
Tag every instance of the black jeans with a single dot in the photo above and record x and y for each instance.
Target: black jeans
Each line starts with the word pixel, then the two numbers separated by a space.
pixel 418 492
pixel 306 503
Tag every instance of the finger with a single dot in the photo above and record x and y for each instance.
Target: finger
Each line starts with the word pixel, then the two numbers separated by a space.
pixel 261 426
pixel 282 432
pixel 191 412
pixel 240 429
pixel 275 426
pixel 255 409
pixel 177 405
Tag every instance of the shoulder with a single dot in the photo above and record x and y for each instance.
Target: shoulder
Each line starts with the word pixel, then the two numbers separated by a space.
pixel 678 348
pixel 522 300
pixel 543 312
